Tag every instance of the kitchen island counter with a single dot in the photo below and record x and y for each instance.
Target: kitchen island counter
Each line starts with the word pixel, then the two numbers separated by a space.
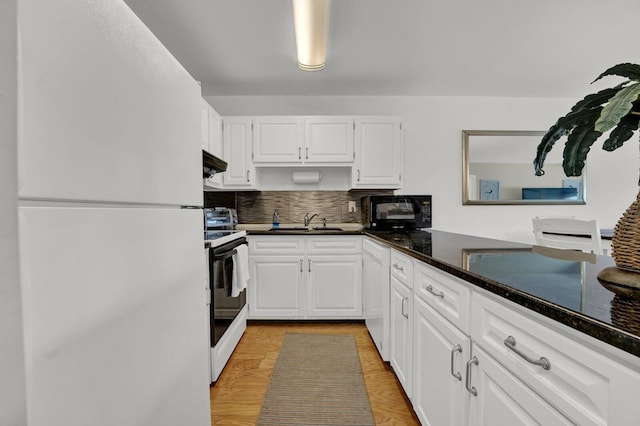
pixel 559 284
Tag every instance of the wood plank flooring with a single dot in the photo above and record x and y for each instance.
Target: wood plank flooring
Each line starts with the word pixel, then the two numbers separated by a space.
pixel 237 396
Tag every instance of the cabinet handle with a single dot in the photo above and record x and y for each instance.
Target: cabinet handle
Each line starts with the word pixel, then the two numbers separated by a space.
pixel 299 153
pixel 398 267
pixel 472 390
pixel 429 288
pixel 306 157
pixel 248 180
pixel 358 175
pixel 510 342
pixel 309 265
pixel 300 265
pixel 406 299
pixel 457 375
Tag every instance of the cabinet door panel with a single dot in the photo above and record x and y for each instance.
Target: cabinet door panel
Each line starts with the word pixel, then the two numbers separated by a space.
pixel 375 283
pixel 278 139
pixel 335 286
pixel 400 333
pixel 502 399
pixel 237 152
pixel 328 140
pixel 276 288
pixel 439 398
pixel 378 151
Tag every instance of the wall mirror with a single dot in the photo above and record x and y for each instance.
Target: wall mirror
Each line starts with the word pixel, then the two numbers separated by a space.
pixel 497 168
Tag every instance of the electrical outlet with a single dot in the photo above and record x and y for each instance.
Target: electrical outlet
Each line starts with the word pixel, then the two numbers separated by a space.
pixel 352 206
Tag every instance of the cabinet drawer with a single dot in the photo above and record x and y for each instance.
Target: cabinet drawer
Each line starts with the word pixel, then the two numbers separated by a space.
pixel 334 244
pixel 268 245
pixel 449 296
pixel 402 268
pixel 587 386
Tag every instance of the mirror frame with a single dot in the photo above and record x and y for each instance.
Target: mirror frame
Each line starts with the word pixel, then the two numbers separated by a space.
pixel 465 170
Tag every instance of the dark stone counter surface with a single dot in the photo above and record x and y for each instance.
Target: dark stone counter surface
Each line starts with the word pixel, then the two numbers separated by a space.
pixel 558 284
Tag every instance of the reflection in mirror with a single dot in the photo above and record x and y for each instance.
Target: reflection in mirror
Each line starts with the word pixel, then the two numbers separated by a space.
pixel 498 169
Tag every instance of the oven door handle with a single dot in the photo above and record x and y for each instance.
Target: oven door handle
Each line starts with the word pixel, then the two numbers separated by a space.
pixel 225 255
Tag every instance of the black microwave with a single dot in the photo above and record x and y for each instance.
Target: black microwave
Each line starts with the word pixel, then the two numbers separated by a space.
pixel 396 212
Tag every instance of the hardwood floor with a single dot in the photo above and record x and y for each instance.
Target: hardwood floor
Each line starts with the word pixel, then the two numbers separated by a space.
pixel 237 396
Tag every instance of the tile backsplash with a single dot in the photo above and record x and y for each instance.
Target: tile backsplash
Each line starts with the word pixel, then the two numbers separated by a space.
pixel 258 207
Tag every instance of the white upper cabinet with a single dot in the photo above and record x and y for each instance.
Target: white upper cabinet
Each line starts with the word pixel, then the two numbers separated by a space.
pixel 237 153
pixel 378 153
pixel 328 140
pixel 277 139
pixel 297 140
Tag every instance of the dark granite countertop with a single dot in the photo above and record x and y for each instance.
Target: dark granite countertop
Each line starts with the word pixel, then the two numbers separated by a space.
pixel 558 284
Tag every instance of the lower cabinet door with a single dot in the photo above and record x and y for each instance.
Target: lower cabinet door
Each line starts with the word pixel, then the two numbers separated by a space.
pixel 276 288
pixel 440 352
pixel 400 333
pixel 502 399
pixel 334 286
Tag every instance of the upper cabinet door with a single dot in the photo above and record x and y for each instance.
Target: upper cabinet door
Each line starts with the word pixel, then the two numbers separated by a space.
pixel 328 140
pixel 237 152
pixel 278 139
pixel 106 110
pixel 378 148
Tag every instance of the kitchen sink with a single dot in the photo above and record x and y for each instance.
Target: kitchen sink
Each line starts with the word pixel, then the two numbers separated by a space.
pixel 303 229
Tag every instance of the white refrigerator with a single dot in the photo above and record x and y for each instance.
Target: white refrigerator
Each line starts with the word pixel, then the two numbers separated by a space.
pixel 112 273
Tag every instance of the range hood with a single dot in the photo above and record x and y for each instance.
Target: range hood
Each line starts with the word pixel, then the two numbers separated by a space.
pixel 212 164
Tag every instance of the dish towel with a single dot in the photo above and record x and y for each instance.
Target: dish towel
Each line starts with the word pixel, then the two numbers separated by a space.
pixel 240 270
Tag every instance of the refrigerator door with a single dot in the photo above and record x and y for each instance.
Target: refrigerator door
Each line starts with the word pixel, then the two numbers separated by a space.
pixel 115 316
pixel 108 114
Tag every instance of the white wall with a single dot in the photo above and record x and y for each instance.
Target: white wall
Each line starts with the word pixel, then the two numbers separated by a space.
pixel 433 153
pixel 12 370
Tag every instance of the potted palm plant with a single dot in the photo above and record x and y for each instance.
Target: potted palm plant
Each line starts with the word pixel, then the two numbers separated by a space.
pixel 615 109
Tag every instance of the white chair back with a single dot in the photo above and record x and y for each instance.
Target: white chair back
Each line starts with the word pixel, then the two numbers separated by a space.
pixel 568 233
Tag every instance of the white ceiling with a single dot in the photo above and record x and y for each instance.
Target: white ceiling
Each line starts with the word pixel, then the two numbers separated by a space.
pixel 528 48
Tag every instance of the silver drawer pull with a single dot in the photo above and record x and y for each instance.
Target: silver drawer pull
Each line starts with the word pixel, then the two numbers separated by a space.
pixel 457 375
pixel 406 315
pixel 510 342
pixel 472 390
pixel 429 288
pixel 398 267
pixel 300 265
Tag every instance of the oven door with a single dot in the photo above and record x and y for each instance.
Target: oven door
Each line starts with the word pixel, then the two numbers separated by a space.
pixel 224 308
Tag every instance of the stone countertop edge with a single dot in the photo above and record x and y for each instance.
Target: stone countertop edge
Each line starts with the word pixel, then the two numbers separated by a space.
pixel 606 333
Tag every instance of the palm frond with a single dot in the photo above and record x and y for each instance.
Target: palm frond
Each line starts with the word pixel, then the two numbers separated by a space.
pixel 622 133
pixel 619 106
pixel 628 70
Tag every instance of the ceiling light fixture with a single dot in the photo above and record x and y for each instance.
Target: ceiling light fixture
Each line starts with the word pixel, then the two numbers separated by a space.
pixel 311 19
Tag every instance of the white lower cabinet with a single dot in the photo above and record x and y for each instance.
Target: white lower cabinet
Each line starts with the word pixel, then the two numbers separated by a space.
pixel 295 277
pixel 276 289
pixel 375 288
pixel 440 353
pixel 401 327
pixel 334 288
pixel 510 365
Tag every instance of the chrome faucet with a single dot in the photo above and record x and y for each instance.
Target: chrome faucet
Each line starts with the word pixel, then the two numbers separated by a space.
pixel 308 219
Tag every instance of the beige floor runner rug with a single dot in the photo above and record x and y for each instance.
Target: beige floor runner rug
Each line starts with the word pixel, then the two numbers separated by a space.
pixel 317 380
